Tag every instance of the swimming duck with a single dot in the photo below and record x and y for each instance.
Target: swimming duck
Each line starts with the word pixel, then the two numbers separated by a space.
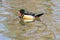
pixel 28 16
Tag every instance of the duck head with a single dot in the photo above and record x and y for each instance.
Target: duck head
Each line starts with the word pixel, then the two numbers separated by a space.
pixel 21 12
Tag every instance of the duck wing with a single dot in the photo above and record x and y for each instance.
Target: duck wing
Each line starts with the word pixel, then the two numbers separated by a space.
pixel 29 13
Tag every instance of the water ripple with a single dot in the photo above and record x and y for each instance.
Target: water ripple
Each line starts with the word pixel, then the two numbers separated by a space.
pixel 2 27
pixel 4 12
pixel 2 8
pixel 3 18
pixel 56 13
pixel 2 37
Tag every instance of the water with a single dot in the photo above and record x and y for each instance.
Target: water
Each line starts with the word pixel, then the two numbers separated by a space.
pixel 46 29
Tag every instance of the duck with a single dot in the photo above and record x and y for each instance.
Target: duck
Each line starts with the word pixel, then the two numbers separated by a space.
pixel 28 16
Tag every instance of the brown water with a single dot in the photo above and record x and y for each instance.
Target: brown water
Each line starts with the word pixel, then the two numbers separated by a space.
pixel 46 29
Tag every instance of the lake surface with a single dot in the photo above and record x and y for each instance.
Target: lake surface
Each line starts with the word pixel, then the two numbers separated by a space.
pixel 46 29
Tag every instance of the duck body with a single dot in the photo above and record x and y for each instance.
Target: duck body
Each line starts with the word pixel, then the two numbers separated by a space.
pixel 28 16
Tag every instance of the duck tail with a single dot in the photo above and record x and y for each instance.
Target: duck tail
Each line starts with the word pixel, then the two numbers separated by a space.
pixel 38 15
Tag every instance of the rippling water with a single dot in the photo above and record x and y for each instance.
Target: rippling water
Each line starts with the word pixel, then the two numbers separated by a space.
pixel 46 29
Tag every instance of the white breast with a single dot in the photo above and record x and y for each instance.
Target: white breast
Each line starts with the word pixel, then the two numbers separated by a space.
pixel 28 18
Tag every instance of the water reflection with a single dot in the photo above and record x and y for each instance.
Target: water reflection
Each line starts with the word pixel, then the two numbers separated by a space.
pixel 1 9
pixel 2 27
pixel 2 37
pixel 3 18
pixel 4 12
pixel 58 13
pixel 3 30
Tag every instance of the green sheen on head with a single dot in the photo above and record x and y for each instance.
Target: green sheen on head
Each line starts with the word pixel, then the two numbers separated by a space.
pixel 22 10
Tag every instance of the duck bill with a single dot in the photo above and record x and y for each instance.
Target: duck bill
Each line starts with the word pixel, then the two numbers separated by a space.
pixel 20 14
